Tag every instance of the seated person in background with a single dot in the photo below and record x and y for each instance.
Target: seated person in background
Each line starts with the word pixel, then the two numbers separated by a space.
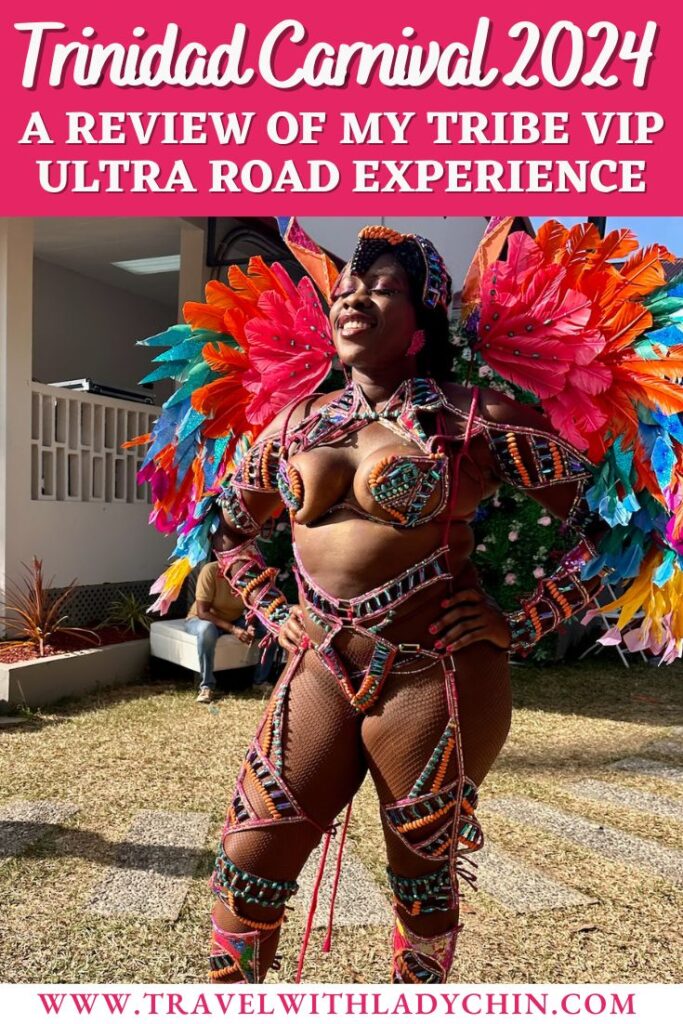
pixel 217 610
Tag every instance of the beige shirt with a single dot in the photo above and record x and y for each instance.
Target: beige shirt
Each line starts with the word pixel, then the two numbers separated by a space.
pixel 214 590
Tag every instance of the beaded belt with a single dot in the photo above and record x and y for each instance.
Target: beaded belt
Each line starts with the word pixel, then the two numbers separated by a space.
pixel 333 614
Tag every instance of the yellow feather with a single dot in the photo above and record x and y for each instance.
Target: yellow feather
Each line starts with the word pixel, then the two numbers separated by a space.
pixel 635 596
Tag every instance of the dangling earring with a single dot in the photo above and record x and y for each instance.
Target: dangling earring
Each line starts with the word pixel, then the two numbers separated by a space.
pixel 417 343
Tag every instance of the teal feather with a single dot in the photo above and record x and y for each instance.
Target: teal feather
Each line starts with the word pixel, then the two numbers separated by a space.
pixel 171 336
pixel 163 372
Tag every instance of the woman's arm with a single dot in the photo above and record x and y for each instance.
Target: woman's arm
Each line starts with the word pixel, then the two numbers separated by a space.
pixel 526 453
pixel 247 501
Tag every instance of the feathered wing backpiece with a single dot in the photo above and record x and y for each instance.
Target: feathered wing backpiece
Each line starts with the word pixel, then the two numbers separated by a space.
pixel 594 330
pixel 258 343
pixel 315 261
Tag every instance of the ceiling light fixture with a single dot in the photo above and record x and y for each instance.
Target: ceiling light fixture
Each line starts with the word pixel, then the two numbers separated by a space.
pixel 151 265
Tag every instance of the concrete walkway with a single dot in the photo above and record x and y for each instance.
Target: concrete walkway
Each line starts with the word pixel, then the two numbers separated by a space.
pixel 162 850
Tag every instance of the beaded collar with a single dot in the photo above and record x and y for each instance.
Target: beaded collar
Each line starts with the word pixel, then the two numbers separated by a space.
pixel 351 411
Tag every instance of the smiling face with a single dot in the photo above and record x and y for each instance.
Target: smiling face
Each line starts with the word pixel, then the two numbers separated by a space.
pixel 373 318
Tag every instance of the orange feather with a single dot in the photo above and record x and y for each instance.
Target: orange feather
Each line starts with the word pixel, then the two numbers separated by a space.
pixel 224 358
pixel 621 329
pixel 552 238
pixel 655 393
pixel 582 244
pixel 670 367
pixel 263 277
pixel 644 271
pixel 616 245
pixel 201 315
pixel 240 282
pixel 135 441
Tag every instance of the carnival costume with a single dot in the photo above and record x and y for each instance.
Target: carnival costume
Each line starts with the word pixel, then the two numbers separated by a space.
pixel 599 344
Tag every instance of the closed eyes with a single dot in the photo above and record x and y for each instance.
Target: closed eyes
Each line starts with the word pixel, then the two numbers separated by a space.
pixel 377 289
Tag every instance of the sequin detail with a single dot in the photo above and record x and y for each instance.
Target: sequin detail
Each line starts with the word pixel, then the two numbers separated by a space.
pixel 259 466
pixel 249 888
pixel 531 459
pixel 405 486
pixel 235 510
pixel 427 894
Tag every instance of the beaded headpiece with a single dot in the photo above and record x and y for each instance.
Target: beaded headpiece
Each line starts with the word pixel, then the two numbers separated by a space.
pixel 417 256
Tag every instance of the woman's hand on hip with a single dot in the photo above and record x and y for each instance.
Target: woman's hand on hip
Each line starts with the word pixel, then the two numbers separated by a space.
pixel 292 631
pixel 469 617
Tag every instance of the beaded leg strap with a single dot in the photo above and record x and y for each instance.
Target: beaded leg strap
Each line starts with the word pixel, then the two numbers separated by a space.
pixel 229 883
pixel 234 956
pixel 253 581
pixel 423 820
pixel 426 894
pixel 262 797
pixel 556 599
pixel 421 961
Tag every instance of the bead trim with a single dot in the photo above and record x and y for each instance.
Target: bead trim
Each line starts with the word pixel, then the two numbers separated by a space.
pixel 427 894
pixel 230 881
pixel 556 599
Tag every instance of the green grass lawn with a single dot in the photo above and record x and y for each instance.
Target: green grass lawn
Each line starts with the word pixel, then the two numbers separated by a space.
pixel 152 747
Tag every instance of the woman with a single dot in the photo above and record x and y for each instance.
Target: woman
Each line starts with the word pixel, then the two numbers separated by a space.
pixel 399 661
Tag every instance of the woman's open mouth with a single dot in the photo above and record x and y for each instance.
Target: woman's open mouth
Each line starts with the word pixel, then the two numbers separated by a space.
pixel 350 325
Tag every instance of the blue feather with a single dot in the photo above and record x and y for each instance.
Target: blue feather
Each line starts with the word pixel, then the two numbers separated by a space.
pixel 663 460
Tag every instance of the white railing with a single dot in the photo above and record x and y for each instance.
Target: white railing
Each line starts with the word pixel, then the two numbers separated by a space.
pixel 76 452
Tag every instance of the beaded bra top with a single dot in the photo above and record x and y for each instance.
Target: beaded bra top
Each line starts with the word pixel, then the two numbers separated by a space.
pixel 410 482
pixel 405 483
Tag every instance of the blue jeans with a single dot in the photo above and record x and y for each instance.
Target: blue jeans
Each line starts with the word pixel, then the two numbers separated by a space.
pixel 207 634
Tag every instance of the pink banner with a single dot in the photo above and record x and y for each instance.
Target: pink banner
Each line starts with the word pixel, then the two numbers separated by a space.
pixel 407 108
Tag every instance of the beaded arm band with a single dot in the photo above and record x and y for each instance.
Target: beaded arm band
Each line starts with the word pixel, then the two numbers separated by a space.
pixel 253 581
pixel 235 511
pixel 556 599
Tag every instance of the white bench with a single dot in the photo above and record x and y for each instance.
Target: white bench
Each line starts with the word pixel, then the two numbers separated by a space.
pixel 169 641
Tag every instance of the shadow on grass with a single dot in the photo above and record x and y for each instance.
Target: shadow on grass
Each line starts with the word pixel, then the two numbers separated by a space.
pixel 22 839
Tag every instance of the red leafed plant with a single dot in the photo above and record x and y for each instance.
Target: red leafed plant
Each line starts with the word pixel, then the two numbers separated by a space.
pixel 36 615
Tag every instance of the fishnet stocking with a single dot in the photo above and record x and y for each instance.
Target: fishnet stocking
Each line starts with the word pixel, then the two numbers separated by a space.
pixel 328 748
pixel 404 727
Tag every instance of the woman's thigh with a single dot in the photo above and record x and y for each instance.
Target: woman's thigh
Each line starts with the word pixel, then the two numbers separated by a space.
pixel 322 767
pixel 414 719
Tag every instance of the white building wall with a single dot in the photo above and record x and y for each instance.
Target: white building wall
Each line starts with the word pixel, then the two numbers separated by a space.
pixel 84 489
pixel 96 542
pixel 16 283
pixel 84 328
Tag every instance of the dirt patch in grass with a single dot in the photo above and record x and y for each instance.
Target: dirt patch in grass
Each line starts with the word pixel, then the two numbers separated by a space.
pixel 118 752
